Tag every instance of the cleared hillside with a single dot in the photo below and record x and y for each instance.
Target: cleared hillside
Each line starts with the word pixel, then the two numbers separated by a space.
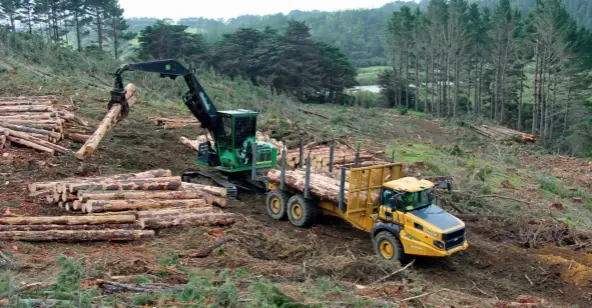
pixel 503 191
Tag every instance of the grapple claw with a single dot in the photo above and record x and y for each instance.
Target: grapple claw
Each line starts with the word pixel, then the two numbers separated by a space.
pixel 118 97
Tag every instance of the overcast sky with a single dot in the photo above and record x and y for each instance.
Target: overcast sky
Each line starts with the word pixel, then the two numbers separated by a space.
pixel 176 9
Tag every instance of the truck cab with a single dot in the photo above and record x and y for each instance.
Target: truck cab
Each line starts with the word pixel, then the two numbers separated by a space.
pixel 407 208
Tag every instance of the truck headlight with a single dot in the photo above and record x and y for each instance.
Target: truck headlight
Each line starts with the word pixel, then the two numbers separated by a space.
pixel 439 244
pixel 431 233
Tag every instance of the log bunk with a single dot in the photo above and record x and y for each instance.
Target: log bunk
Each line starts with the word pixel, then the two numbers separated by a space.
pixel 40 123
pixel 118 207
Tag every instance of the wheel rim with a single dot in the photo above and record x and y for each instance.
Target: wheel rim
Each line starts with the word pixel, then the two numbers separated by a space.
pixel 296 211
pixel 276 205
pixel 386 249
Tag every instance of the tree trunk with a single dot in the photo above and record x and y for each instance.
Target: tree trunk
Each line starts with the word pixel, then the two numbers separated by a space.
pixel 535 94
pixel 68 220
pixel 31 130
pixel 521 97
pixel 168 195
pixel 417 76
pixel 212 190
pixel 566 113
pixel 109 121
pixel 25 108
pixel 27 137
pixel 30 144
pixel 456 84
pixel 187 220
pixel 78 138
pixel 78 35
pixel 70 227
pixel 98 206
pixel 77 235
pixel 164 183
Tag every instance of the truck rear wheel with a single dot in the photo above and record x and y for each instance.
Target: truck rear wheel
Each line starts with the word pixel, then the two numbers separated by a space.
pixel 302 212
pixel 389 247
pixel 276 204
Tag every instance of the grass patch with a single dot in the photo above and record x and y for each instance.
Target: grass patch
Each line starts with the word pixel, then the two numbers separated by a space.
pixel 9 204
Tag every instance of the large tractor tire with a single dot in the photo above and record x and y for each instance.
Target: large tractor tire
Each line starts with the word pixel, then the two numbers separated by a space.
pixel 277 203
pixel 302 212
pixel 389 247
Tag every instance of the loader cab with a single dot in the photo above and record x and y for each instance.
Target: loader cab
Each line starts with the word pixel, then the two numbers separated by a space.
pixel 234 134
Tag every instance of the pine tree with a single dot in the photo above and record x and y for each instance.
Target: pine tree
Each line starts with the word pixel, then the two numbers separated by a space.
pixel 11 8
pixel 26 14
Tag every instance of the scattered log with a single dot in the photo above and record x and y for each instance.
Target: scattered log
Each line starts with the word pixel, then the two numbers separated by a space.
pixel 161 183
pixel 109 121
pixel 138 204
pixel 116 287
pixel 29 138
pixel 84 195
pixel 77 235
pixel 30 144
pixel 193 144
pixel 69 227
pixel 27 98
pixel 213 190
pixel 68 220
pixel 155 213
pixel 27 108
pixel 190 220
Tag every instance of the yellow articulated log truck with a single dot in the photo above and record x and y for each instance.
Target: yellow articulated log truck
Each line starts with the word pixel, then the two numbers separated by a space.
pixel 399 212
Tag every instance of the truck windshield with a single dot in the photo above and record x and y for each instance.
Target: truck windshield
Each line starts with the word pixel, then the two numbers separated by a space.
pixel 420 199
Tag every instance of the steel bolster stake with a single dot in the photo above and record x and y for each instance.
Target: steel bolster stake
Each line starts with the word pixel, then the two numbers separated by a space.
pixel 357 159
pixel 301 153
pixel 331 155
pixel 307 180
pixel 341 203
pixel 254 169
pixel 283 170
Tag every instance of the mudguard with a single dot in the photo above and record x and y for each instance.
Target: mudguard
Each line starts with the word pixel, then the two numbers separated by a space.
pixel 386 226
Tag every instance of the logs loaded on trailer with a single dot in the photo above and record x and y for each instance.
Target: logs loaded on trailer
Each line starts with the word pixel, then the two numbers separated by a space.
pixel 119 207
pixel 40 123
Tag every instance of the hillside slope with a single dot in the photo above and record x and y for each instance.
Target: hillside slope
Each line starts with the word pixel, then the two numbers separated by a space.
pixel 514 252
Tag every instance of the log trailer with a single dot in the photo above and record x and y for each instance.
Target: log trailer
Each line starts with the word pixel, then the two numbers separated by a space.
pixel 400 213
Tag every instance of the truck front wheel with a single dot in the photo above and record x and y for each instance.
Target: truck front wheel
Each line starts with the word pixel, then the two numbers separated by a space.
pixel 276 204
pixel 388 246
pixel 302 212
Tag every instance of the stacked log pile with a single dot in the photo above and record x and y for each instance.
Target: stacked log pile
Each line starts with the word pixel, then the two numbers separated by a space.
pixel 40 123
pixel 504 133
pixel 175 122
pixel 131 191
pixel 321 185
pixel 119 207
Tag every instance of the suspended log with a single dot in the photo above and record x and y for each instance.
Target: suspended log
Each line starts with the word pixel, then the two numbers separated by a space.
pixel 133 226
pixel 213 190
pixel 68 220
pixel 109 121
pixel 164 183
pixel 138 204
pixel 84 195
pixel 156 173
pixel 77 235
pixel 187 220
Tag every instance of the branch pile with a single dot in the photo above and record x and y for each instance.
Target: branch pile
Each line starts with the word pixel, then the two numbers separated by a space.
pixel 175 122
pixel 150 189
pixel 40 123
pixel 504 133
